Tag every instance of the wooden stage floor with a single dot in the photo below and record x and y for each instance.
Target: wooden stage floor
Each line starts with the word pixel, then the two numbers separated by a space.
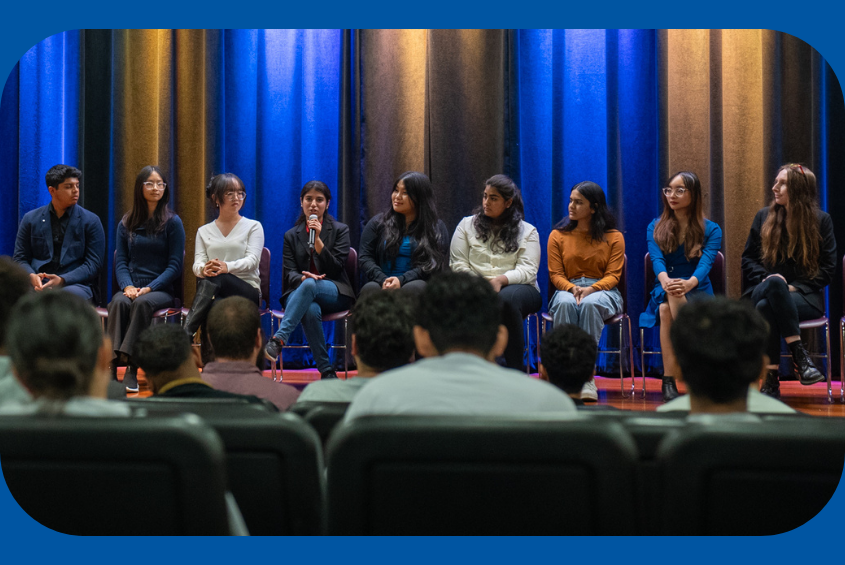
pixel 808 399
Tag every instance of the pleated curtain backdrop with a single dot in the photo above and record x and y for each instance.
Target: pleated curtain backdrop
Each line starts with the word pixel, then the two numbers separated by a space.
pixel 355 108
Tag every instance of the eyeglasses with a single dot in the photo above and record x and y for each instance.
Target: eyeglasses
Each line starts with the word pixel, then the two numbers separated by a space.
pixel 799 168
pixel 677 192
pixel 150 184
pixel 231 196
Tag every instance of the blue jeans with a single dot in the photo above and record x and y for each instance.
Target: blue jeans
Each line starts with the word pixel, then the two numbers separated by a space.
pixel 307 304
pixel 591 313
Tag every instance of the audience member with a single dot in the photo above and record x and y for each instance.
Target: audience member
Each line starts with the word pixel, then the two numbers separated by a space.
pixel 459 333
pixel 234 328
pixel 59 354
pixel 720 345
pixel 61 245
pixel 569 359
pixel 163 352
pixel 14 285
pixel 382 339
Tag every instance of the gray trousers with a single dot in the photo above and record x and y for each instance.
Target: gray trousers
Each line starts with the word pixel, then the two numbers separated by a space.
pixel 591 313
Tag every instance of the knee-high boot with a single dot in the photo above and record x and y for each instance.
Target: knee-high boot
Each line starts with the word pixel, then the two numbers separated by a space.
pixel 201 305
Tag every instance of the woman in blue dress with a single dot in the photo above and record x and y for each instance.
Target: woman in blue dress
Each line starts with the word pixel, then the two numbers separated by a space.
pixel 683 245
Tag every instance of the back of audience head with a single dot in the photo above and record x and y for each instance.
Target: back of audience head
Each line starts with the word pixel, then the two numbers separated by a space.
pixel 720 345
pixel 234 328
pixel 383 330
pixel 459 312
pixel 163 351
pixel 56 343
pixel 569 358
pixel 14 285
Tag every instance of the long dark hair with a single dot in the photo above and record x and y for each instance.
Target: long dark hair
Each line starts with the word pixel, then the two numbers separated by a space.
pixel 139 216
pixel 428 255
pixel 666 230
pixel 794 235
pixel 603 220
pixel 506 239
pixel 320 187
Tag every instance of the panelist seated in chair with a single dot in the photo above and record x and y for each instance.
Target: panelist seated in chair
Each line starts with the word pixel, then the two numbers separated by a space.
pixel 61 245
pixel 58 352
pixel 569 359
pixel 382 326
pixel 720 345
pixel 234 328
pixel 458 330
pixel 163 352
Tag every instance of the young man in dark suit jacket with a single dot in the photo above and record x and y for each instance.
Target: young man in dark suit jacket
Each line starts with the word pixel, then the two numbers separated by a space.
pixel 61 245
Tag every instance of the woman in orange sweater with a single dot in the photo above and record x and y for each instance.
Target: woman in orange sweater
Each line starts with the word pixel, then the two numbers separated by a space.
pixel 586 255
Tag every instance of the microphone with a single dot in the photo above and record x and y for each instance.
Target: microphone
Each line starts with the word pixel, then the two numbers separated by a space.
pixel 311 233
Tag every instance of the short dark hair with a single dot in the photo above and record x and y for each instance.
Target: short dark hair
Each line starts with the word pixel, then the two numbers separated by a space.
pixel 383 324
pixel 53 339
pixel 232 326
pixel 59 173
pixel 569 354
pixel 14 285
pixel 720 345
pixel 162 348
pixel 460 310
pixel 221 184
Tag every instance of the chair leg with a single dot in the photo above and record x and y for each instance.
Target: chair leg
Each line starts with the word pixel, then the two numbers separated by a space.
pixel 828 359
pixel 642 357
pixel 631 359
pixel 346 347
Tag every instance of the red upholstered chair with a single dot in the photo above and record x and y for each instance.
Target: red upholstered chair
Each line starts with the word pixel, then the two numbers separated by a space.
pixel 623 321
pixel 718 280
pixel 351 268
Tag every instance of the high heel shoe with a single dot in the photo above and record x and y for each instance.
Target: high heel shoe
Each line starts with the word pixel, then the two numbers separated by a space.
pixel 670 390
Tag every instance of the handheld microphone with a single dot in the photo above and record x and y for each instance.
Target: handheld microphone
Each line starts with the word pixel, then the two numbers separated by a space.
pixel 311 233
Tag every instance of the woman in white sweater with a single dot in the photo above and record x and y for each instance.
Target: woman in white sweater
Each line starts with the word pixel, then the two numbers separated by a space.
pixel 497 244
pixel 227 252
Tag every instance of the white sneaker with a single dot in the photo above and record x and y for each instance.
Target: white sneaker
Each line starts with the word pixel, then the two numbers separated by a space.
pixel 589 392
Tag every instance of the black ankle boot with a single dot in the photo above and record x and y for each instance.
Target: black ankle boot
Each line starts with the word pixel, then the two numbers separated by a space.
pixel 771 387
pixel 807 372
pixel 670 390
pixel 130 378
pixel 202 304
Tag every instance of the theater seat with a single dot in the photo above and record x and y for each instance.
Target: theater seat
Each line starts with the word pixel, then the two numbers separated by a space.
pixel 117 476
pixel 199 406
pixel 480 476
pixel 750 479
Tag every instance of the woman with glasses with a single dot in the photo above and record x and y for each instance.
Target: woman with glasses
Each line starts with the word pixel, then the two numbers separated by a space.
pixel 404 246
pixel 227 253
pixel 586 256
pixel 683 245
pixel 789 258
pixel 498 244
pixel 316 282
pixel 149 252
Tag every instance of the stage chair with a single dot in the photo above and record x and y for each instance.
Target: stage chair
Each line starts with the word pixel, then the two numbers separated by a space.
pixel 117 476
pixel 351 268
pixel 718 280
pixel 417 475
pixel 623 320
pixel 749 478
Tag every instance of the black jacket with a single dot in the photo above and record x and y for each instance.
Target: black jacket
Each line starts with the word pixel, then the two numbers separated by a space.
pixel 373 253
pixel 753 270
pixel 329 262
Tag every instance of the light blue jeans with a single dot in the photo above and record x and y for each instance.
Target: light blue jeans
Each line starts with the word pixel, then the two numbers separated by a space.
pixel 307 304
pixel 591 313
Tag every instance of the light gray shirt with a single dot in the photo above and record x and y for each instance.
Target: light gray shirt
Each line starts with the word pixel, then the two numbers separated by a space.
pixel 757 402
pixel 333 390
pixel 11 390
pixel 76 406
pixel 457 384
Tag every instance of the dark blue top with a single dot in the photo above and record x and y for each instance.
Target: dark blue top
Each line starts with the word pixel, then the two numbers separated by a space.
pixel 402 262
pixel 154 261
pixel 677 266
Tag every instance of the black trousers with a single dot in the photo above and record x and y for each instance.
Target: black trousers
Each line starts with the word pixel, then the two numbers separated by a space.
pixel 782 310
pixel 128 318
pixel 227 285
pixel 518 300
pixel 414 288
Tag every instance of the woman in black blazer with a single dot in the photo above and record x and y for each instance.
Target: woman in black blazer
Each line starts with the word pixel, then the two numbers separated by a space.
pixel 789 258
pixel 402 247
pixel 316 281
